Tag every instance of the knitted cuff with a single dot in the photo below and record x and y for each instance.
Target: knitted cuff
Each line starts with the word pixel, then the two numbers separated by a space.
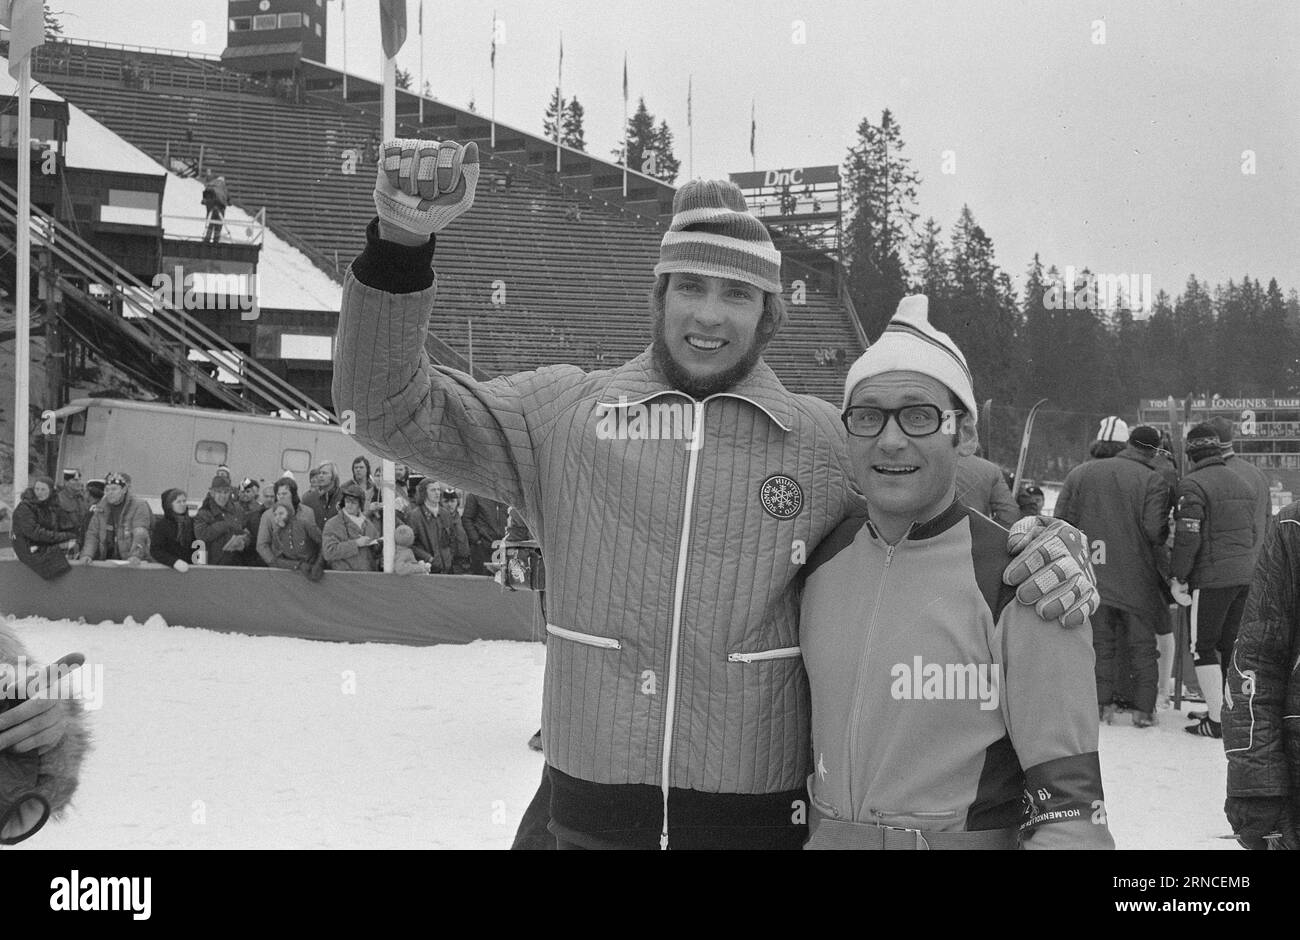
pixel 393 268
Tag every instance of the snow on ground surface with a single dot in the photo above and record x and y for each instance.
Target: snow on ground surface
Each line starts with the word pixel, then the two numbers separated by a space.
pixel 209 740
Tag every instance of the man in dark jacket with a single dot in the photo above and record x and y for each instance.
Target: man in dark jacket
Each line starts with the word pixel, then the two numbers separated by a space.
pixel 250 510
pixel 981 486
pixel 1215 536
pixel 326 501
pixel 1248 472
pixel 1262 690
pixel 41 530
pixel 1122 506
pixel 485 522
pixel 422 517
pixel 220 524
pixel 73 501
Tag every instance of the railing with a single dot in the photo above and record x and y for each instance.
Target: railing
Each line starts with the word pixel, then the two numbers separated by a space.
pixel 232 232
pixel 157 326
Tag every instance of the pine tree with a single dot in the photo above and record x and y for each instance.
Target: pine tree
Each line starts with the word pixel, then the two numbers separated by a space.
pixel 981 313
pixel 553 110
pixel 573 135
pixel 1275 344
pixel 928 262
pixel 881 197
pixel 1160 372
pixel 53 28
pixel 666 163
pixel 1039 328
pixel 404 79
pixel 1194 338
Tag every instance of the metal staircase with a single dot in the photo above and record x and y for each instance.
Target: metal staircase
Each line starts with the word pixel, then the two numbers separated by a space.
pixel 158 329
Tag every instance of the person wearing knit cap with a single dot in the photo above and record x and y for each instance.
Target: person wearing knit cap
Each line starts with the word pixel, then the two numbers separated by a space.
pixel 1247 471
pixel 1122 502
pixel 663 691
pixel 912 588
pixel 1213 560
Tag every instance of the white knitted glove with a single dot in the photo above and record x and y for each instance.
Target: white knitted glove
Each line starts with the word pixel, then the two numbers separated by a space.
pixel 181 565
pixel 423 185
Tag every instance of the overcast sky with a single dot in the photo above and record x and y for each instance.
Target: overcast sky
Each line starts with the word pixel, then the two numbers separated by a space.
pixel 1123 155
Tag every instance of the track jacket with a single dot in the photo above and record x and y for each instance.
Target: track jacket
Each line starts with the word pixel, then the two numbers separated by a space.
pixel 932 689
pixel 1261 707
pixel 673 655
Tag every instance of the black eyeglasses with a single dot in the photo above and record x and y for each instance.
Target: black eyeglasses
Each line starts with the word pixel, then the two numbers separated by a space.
pixel 912 420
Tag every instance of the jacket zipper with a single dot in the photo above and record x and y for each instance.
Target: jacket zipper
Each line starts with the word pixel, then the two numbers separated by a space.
pixel 590 639
pixel 785 652
pixel 856 715
pixel 679 592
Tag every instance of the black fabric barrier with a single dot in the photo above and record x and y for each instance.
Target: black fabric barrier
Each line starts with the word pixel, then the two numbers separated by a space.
pixel 344 606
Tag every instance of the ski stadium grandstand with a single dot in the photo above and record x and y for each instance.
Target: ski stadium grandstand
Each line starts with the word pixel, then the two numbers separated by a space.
pixel 550 266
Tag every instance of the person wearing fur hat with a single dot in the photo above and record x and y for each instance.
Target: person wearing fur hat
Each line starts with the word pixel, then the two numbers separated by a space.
pixel 873 647
pixel 1122 503
pixel 119 527
pixel 43 741
pixel 172 537
pixel 41 531
pixel 1216 531
pixel 672 660
pixel 404 560
pixel 349 538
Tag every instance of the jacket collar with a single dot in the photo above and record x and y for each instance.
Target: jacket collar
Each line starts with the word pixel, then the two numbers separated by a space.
pixel 640 380
pixel 1208 462
pixel 932 527
pixel 1132 453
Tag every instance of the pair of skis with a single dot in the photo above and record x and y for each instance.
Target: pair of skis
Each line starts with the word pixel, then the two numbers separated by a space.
pixel 1024 442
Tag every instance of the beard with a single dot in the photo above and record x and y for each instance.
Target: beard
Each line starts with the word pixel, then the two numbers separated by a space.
pixel 701 386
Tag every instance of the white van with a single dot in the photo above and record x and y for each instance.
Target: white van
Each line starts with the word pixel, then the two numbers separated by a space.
pixel 164 446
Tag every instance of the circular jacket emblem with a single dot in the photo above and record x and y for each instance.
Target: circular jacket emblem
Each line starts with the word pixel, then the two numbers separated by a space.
pixel 781 496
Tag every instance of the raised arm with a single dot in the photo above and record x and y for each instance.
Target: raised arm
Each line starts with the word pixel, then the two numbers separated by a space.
pixel 475 435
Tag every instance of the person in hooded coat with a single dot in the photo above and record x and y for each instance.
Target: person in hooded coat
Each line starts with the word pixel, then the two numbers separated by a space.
pixel 172 535
pixel 40 529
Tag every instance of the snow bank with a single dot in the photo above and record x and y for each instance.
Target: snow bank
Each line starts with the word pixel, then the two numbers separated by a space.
pixel 208 740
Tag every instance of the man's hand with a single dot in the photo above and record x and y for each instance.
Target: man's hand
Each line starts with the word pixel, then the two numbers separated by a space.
pixel 1255 819
pixel 1178 589
pixel 35 724
pixel 1052 570
pixel 422 186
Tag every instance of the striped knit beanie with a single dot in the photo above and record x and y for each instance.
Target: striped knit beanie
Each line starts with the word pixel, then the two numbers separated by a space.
pixel 1113 428
pixel 712 233
pixel 911 344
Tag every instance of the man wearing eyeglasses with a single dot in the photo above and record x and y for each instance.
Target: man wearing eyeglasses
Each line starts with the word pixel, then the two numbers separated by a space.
pixel 944 714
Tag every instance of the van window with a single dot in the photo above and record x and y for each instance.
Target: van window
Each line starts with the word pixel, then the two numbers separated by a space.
pixel 210 452
pixel 299 461
pixel 75 424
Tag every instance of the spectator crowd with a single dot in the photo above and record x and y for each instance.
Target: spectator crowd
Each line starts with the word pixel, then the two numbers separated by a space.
pixel 336 524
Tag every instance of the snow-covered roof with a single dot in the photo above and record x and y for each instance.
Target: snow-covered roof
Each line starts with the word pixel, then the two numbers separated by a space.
pixel 286 279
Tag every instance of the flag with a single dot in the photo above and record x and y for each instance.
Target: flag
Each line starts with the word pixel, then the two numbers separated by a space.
pixel 25 20
pixel 753 127
pixel 625 78
pixel 392 25
pixel 689 79
pixel 493 58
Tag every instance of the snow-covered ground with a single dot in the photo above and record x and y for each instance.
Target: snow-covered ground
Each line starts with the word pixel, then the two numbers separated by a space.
pixel 208 740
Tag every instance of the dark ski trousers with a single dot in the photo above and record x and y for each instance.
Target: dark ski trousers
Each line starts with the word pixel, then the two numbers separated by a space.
pixel 1110 627
pixel 1216 615
pixel 533 834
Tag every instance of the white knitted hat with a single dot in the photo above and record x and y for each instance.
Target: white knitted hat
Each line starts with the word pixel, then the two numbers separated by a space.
pixel 911 344
pixel 1113 429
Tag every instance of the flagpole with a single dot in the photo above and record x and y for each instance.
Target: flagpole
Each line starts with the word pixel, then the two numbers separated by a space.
pixel 559 104
pixel 388 122
pixel 494 79
pixel 343 9
pixel 22 285
pixel 690 129
pixel 624 125
pixel 420 90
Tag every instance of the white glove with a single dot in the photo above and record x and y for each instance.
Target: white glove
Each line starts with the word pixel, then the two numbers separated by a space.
pixel 1051 570
pixel 1179 590
pixel 181 565
pixel 422 185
